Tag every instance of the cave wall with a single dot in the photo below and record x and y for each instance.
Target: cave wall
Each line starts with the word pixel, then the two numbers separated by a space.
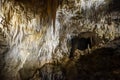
pixel 32 43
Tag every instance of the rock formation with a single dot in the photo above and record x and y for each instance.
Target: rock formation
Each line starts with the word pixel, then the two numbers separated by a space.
pixel 35 34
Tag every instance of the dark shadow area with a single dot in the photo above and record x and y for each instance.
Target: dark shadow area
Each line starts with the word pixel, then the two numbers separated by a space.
pixel 83 41
pixel 101 64
pixel 114 5
pixel 79 43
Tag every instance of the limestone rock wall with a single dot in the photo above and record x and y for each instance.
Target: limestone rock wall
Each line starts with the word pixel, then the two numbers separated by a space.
pixel 32 44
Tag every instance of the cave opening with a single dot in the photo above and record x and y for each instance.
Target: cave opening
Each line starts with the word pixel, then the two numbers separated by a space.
pixel 79 43
pixel 84 41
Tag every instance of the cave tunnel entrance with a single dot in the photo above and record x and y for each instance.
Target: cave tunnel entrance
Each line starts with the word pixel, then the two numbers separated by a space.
pixel 84 41
pixel 80 43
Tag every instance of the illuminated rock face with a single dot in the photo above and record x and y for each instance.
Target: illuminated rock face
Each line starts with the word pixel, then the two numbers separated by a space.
pixel 32 44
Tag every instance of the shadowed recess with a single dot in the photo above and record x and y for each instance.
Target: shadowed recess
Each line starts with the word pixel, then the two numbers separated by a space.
pixel 115 5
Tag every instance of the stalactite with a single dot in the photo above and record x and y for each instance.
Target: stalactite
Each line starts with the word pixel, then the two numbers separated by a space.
pixel 54 8
pixel 48 9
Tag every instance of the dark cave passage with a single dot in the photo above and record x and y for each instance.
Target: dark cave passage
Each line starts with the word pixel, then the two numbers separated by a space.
pixel 79 43
pixel 84 41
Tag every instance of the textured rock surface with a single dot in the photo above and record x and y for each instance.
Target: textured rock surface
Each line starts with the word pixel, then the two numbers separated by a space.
pixel 3 50
pixel 29 44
